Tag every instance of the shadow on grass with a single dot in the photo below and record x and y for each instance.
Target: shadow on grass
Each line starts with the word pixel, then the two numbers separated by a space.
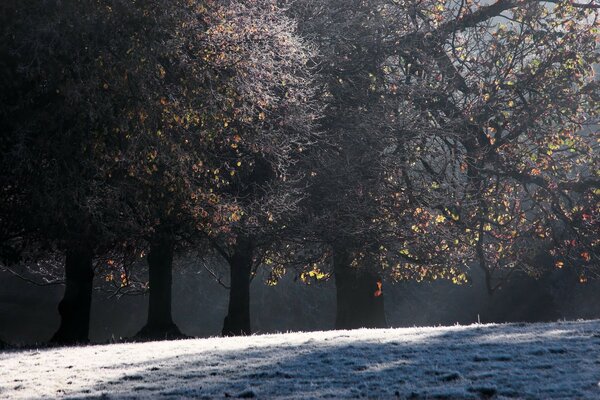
pixel 560 360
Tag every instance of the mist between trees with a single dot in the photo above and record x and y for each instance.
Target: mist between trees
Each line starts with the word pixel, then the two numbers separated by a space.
pixel 28 313
pixel 347 144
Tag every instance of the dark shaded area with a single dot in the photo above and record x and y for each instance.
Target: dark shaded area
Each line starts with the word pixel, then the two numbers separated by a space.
pixel 237 321
pixel 74 308
pixel 28 313
pixel 555 296
pixel 359 301
pixel 160 265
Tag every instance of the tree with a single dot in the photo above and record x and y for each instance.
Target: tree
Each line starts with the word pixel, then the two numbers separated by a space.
pixel 271 122
pixel 507 91
pixel 98 126
pixel 347 174
pixel 54 113
pixel 441 115
pixel 192 110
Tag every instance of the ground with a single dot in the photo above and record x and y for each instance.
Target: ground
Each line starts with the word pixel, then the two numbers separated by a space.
pixel 527 361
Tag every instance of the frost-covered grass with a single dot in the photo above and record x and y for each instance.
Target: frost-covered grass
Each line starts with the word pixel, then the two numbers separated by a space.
pixel 529 361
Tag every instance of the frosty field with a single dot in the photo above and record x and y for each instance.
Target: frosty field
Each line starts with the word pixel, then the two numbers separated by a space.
pixel 526 361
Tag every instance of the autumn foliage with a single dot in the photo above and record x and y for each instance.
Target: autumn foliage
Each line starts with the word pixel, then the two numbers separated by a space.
pixel 368 141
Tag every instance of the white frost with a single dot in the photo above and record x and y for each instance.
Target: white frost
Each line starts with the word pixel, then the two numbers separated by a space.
pixel 532 361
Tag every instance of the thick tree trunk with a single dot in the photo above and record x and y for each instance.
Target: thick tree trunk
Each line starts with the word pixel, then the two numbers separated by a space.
pixel 360 301
pixel 74 308
pixel 160 323
pixel 237 321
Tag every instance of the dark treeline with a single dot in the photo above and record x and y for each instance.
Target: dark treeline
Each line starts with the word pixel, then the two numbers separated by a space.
pixel 28 313
pixel 358 141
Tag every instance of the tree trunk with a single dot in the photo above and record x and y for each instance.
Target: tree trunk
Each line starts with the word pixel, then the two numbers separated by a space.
pixel 160 323
pixel 360 301
pixel 74 308
pixel 237 321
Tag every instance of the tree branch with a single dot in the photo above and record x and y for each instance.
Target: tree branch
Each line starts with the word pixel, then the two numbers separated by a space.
pixel 28 280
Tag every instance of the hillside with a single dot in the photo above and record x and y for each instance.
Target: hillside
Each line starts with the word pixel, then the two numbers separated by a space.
pixel 554 360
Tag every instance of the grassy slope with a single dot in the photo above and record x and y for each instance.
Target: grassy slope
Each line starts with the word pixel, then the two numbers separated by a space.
pixel 556 360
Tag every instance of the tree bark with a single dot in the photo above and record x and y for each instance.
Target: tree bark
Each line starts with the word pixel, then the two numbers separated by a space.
pixel 160 323
pixel 360 301
pixel 74 308
pixel 237 321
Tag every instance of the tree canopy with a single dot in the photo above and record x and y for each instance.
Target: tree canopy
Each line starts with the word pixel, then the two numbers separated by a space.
pixel 370 140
